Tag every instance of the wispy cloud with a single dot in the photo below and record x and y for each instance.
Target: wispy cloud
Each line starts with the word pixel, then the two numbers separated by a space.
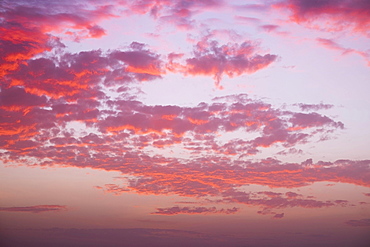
pixel 359 223
pixel 34 209
pixel 194 210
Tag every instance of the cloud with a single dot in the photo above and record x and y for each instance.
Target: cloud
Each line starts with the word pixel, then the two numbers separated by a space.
pixel 358 223
pixel 178 12
pixel 144 63
pixel 79 75
pixel 34 209
pixel 331 44
pixel 45 96
pixel 36 128
pixel 232 59
pixel 269 200
pixel 68 17
pixel 30 30
pixel 278 216
pixel 194 210
pixel 17 99
pixel 314 107
pixel 304 120
pixel 269 28
pixel 334 15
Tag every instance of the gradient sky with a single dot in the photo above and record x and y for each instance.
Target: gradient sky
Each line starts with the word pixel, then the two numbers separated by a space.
pixel 184 123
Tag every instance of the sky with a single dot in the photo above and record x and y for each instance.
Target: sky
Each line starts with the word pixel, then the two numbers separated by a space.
pixel 184 123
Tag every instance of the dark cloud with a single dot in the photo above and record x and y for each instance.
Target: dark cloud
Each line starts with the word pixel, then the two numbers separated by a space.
pixel 314 107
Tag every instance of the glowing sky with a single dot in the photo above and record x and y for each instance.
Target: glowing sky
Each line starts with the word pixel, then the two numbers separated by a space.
pixel 184 123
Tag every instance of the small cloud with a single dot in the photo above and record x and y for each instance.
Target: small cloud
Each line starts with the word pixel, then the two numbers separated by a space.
pixel 314 107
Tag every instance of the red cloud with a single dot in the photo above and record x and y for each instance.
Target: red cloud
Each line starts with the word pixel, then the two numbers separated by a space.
pixel 194 210
pixel 334 15
pixel 19 43
pixel 34 209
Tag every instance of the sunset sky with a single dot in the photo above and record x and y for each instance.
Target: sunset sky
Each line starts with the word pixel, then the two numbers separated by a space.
pixel 185 123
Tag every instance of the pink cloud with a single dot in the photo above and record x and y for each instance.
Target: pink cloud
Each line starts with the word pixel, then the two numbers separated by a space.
pixel 178 12
pixel 140 61
pixel 330 44
pixel 269 28
pixel 60 17
pixel 30 30
pixel 254 7
pixel 303 120
pixel 246 19
pixel 334 15
pixel 231 59
pixel 77 76
pixel 34 209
